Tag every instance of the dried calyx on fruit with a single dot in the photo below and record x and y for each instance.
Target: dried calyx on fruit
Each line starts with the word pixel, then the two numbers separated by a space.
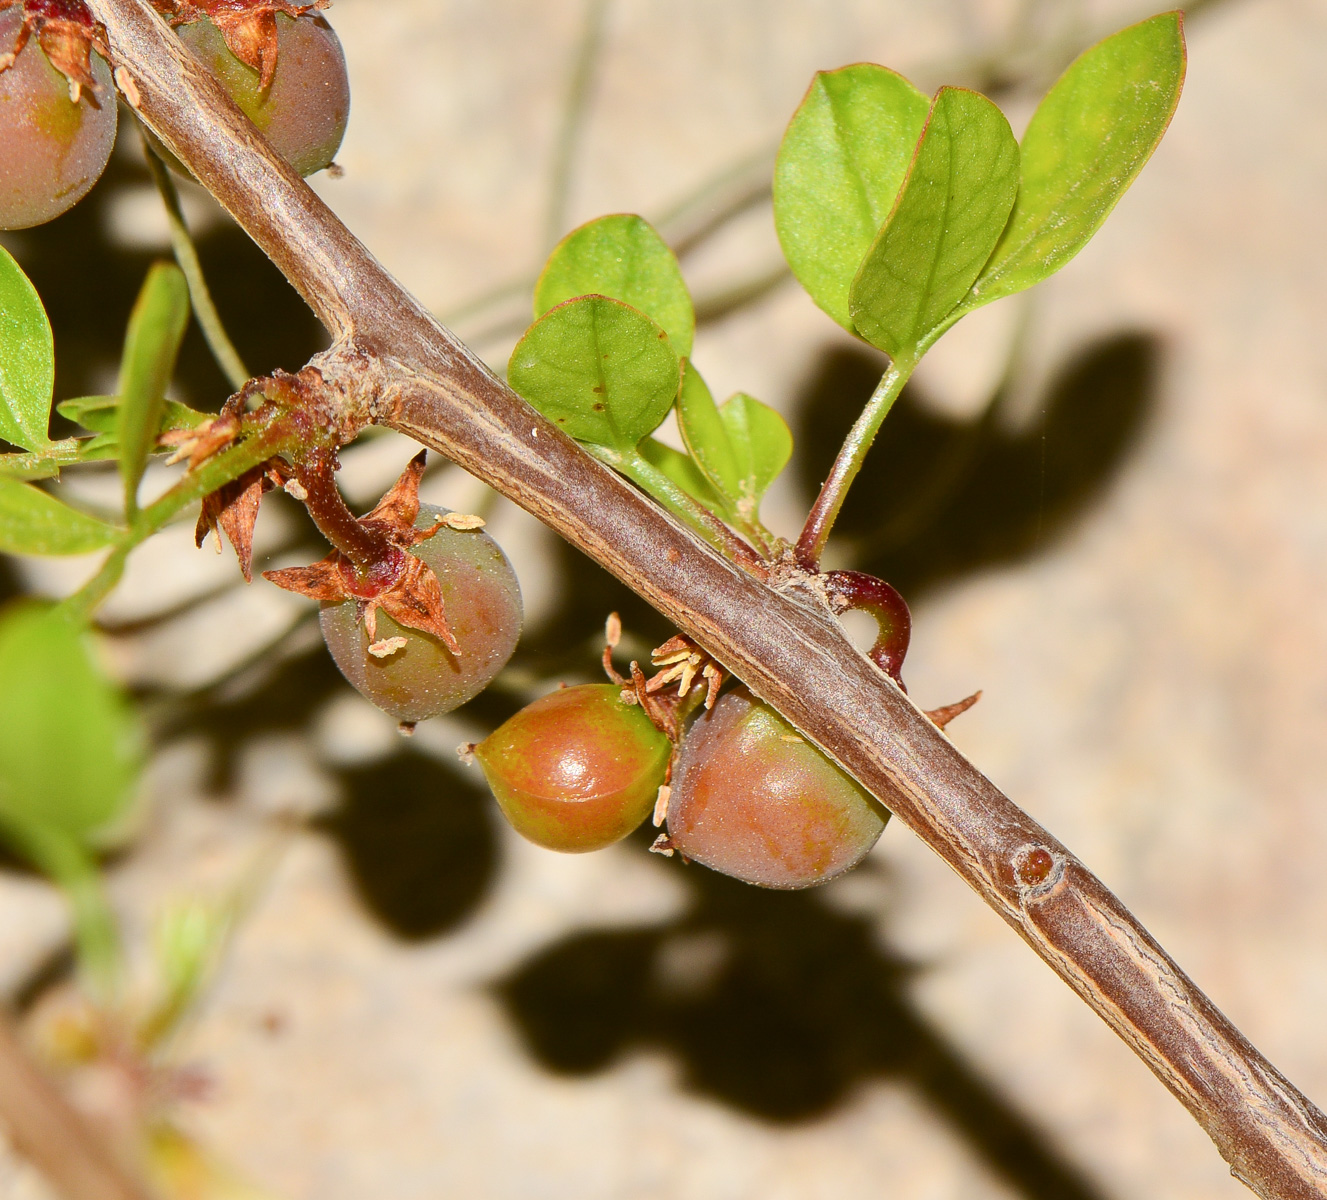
pixel 421 609
pixel 57 108
pixel 435 613
pixel 282 65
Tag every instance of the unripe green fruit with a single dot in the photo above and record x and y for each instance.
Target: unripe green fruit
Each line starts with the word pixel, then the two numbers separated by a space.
pixel 52 150
pixel 304 113
pixel 578 769
pixel 753 799
pixel 482 600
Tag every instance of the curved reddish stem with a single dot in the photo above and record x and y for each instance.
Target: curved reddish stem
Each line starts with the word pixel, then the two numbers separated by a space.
pixel 857 590
pixel 366 547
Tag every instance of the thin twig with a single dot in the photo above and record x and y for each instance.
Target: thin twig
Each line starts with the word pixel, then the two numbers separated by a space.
pixel 416 377
pixel 186 255
pixel 55 1138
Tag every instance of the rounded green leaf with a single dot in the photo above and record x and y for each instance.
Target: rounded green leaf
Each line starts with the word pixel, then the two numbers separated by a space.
pixel 602 371
pixel 70 745
pixel 740 447
pixel 27 360
pixel 34 522
pixel 620 256
pixel 839 168
pixel 1086 143
pixel 762 445
pixel 950 213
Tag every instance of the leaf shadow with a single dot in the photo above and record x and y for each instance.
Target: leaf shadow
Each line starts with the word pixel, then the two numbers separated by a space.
pixel 418 839
pixel 939 499
pixel 774 1005
pixel 419 842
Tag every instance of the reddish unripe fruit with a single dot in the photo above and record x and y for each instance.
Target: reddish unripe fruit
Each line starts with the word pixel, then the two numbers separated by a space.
pixel 482 600
pixel 753 799
pixel 52 150
pixel 304 113
pixel 576 770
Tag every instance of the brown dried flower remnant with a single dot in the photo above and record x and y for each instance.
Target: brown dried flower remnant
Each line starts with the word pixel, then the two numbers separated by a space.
pixel 67 34
pixel 249 26
pixel 405 588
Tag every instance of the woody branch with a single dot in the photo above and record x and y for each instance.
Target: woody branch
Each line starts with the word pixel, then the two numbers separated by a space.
pixel 407 372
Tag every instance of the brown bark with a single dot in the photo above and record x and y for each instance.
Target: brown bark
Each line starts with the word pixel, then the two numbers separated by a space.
pixel 52 1135
pixel 405 371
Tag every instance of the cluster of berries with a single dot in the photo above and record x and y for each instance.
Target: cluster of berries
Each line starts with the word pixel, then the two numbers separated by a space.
pixel 584 766
pixel 280 62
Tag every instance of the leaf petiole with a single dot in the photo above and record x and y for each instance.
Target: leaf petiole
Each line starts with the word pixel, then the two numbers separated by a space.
pixel 825 511
pixel 653 481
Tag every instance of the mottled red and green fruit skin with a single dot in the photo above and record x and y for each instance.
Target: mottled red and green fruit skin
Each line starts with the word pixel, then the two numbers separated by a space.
pixel 51 150
pixel 482 600
pixel 304 113
pixel 751 798
pixel 576 770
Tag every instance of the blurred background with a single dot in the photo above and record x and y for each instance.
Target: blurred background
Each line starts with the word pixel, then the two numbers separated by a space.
pixel 1106 503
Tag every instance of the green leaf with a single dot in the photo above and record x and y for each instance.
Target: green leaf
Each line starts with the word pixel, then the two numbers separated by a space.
pixel 101 414
pixel 740 447
pixel 156 328
pixel 35 522
pixel 762 445
pixel 683 471
pixel 601 370
pixel 70 745
pixel 840 166
pixel 1086 143
pixel 27 360
pixel 620 256
pixel 950 213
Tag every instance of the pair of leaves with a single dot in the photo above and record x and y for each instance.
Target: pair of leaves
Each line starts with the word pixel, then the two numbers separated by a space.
pixel 608 353
pixel 614 318
pixel 736 450
pixel 70 744
pixel 32 521
pixel 948 179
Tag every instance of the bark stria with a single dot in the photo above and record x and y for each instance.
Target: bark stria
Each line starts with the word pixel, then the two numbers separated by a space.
pixel 394 361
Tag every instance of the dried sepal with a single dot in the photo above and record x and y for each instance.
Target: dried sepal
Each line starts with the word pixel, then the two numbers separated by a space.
pixel 322 580
pixel 412 596
pixel 233 508
pixel 248 26
pixel 663 715
pixel 67 34
pixel 415 601
pixel 399 507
